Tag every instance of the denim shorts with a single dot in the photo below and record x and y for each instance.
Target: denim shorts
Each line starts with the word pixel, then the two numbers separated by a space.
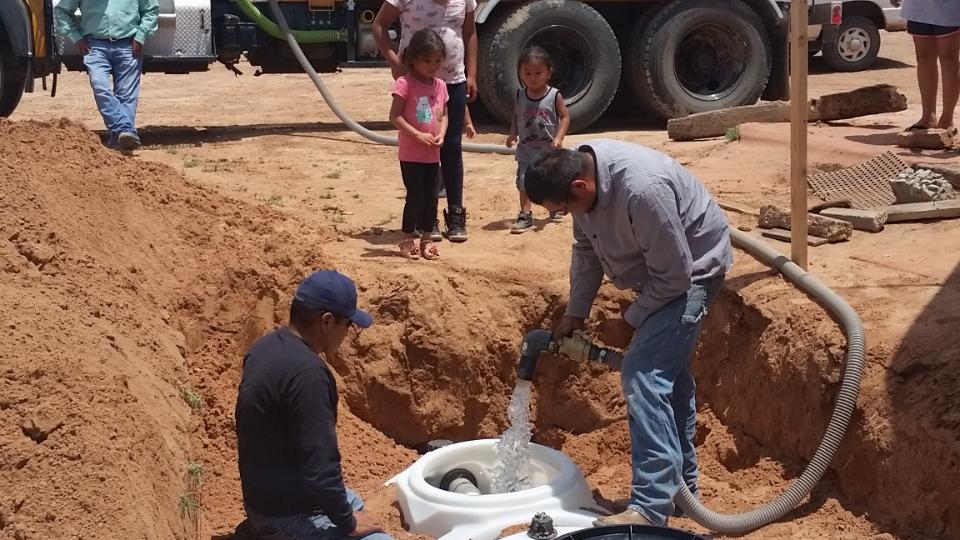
pixel 920 29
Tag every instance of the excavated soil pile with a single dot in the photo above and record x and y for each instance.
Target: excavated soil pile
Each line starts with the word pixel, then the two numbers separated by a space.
pixel 119 278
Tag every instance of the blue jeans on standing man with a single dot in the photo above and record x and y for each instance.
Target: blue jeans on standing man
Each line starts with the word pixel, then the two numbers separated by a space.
pixel 661 401
pixel 307 527
pixel 117 102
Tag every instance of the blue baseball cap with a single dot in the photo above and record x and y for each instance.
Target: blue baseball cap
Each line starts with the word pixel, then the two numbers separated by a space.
pixel 331 291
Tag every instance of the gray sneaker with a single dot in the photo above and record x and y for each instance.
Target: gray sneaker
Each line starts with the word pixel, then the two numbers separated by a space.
pixel 523 223
pixel 556 217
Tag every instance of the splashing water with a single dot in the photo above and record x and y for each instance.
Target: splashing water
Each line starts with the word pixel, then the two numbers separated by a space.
pixel 511 471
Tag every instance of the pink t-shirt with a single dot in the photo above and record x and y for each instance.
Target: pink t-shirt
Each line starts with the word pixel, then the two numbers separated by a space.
pixel 423 105
pixel 446 18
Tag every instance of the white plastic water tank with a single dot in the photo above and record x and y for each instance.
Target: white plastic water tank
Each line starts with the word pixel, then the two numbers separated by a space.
pixel 558 488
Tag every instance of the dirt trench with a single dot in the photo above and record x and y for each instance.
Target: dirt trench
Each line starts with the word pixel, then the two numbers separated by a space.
pixel 130 294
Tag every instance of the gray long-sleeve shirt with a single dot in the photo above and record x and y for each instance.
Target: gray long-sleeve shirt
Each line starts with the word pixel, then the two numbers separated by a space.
pixel 654 229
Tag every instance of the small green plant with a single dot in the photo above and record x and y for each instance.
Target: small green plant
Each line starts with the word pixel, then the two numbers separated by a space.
pixel 334 175
pixel 195 472
pixel 191 163
pixel 733 134
pixel 188 504
pixel 191 398
pixel 275 200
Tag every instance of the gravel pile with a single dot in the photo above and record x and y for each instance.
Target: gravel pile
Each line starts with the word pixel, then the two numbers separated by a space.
pixel 921 185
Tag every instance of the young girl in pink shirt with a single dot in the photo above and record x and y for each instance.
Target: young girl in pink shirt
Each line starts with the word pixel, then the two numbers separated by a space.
pixel 419 112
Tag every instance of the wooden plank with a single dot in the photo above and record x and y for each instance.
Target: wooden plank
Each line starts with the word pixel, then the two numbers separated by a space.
pixel 785 236
pixel 799 111
pixel 740 209
pixel 923 210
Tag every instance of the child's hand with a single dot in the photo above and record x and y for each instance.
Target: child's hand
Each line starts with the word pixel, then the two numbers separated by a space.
pixel 438 140
pixel 558 142
pixel 511 140
pixel 470 131
pixel 426 139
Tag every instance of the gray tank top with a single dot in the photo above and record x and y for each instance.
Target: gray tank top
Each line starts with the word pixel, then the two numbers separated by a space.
pixel 536 124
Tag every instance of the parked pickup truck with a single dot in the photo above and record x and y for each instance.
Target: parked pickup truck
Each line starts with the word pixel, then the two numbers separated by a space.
pixel 852 43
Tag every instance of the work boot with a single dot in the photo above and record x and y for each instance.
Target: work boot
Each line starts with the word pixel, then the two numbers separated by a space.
pixel 523 224
pixel 456 221
pixel 627 517
pixel 128 141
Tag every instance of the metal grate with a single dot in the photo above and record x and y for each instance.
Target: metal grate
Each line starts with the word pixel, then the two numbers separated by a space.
pixel 866 185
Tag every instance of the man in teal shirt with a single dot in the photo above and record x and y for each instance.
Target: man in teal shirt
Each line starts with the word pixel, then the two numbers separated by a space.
pixel 110 36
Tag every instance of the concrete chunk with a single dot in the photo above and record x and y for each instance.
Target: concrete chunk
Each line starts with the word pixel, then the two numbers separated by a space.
pixel 834 230
pixel 862 220
pixel 949 171
pixel 927 210
pixel 926 139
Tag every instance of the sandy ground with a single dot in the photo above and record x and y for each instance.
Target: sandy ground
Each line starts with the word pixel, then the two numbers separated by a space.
pixel 441 357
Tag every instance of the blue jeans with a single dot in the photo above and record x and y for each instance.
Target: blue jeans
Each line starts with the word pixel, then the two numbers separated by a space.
pixel 117 104
pixel 307 527
pixel 661 401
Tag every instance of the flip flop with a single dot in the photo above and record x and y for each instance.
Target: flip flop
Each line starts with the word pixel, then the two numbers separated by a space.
pixel 409 249
pixel 429 250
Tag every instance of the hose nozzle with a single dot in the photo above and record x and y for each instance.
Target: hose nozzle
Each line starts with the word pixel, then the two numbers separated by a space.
pixel 534 344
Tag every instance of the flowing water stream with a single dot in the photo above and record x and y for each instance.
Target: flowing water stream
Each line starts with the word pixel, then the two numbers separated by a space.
pixel 512 470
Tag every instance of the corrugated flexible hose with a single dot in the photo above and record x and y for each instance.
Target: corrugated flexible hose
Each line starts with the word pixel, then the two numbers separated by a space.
pixel 344 117
pixel 853 327
pixel 579 348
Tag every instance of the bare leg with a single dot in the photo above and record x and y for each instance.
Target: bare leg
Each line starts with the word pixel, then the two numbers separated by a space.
pixel 927 79
pixel 948 50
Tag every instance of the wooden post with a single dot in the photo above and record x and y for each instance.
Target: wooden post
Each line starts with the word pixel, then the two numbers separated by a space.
pixel 798 132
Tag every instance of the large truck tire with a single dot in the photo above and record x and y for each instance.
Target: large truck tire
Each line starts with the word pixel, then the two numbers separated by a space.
pixel 699 55
pixel 13 77
pixel 857 45
pixel 583 47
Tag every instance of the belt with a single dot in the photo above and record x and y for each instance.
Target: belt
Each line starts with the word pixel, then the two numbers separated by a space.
pixel 110 39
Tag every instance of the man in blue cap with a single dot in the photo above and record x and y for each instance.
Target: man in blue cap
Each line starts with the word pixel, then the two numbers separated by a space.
pixel 286 421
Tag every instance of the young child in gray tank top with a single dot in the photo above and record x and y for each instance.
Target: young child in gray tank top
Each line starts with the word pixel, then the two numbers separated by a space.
pixel 540 122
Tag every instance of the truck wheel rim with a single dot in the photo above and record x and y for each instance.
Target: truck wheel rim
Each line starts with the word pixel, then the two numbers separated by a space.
pixel 710 62
pixel 853 44
pixel 573 59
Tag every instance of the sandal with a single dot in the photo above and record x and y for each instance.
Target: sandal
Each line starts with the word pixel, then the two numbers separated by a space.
pixel 409 249
pixel 429 250
pixel 917 127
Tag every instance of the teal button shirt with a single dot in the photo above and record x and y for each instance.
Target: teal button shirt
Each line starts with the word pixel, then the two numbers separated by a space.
pixel 108 19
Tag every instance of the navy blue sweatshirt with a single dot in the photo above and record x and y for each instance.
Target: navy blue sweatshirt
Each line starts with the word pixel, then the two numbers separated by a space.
pixel 286 422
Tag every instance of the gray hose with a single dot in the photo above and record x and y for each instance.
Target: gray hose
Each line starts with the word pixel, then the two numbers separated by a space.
pixel 349 122
pixel 842 410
